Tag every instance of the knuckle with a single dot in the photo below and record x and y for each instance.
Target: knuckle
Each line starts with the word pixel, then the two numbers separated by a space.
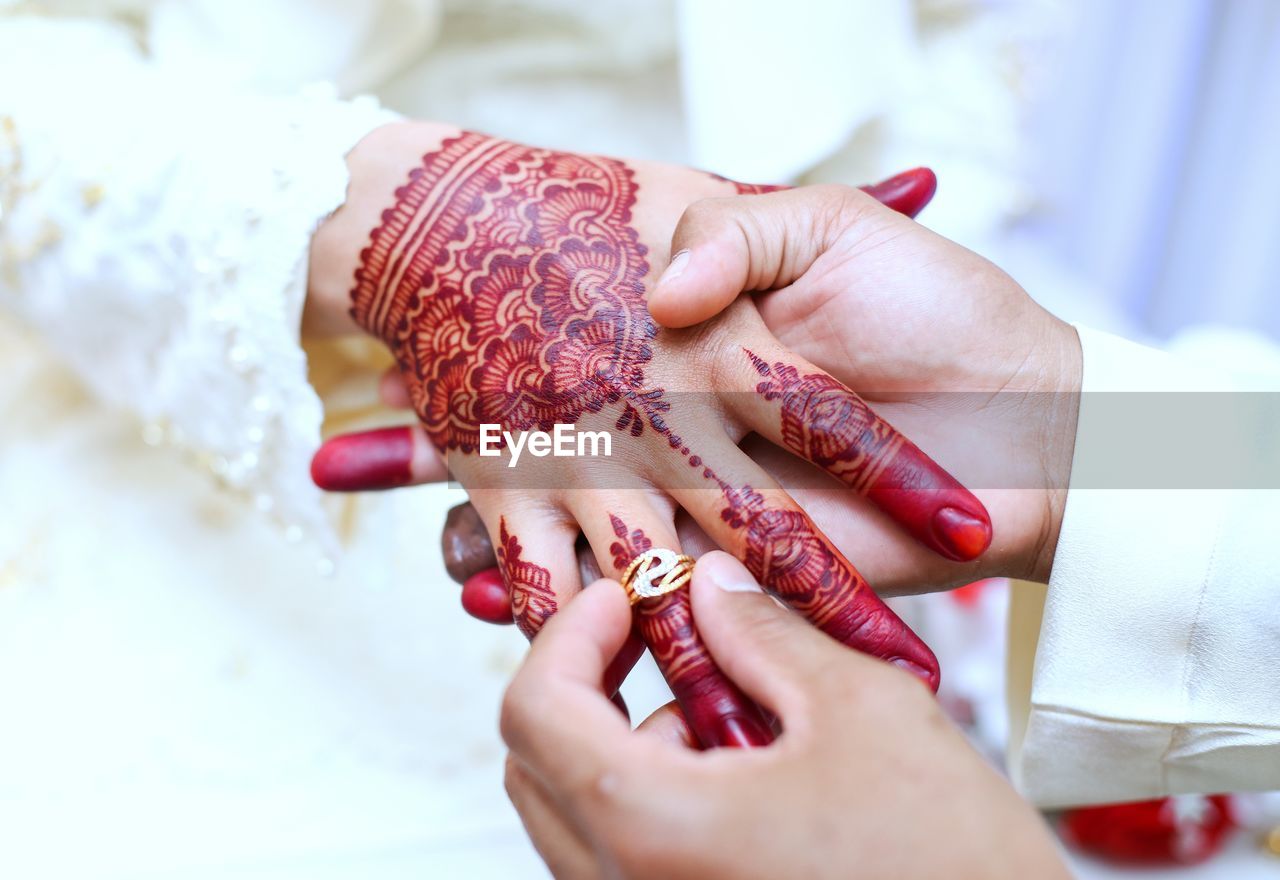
pixel 701 216
pixel 843 206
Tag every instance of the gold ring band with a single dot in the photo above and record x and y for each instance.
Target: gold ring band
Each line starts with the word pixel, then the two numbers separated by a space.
pixel 655 573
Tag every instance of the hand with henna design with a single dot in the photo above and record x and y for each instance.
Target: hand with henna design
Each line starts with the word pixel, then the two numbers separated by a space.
pixel 508 282
pixel 393 457
pixel 957 351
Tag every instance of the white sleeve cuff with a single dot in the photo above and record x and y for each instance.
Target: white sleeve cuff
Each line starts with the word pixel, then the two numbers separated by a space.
pixel 1159 649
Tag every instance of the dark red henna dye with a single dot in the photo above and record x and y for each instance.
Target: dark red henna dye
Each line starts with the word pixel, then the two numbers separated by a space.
pixel 907 193
pixel 368 460
pixel 827 424
pixel 716 710
pixel 485 597
pixel 786 553
pixel 529 585
pixel 507 282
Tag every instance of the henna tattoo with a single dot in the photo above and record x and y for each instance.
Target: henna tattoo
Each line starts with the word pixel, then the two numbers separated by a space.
pixel 746 189
pixel 529 584
pixel 756 189
pixel 786 552
pixel 507 282
pixel 717 711
pixel 629 545
pixel 827 424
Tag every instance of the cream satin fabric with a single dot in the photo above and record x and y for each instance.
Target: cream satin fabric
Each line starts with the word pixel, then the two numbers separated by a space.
pixel 1156 648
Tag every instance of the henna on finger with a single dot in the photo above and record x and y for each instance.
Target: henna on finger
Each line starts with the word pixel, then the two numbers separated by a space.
pixel 529 584
pixel 533 599
pixel 786 552
pixel 485 597
pixel 715 709
pixel 907 192
pixel 825 423
pixel 368 460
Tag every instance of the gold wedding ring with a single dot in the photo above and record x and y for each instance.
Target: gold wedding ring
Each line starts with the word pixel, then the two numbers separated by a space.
pixel 655 573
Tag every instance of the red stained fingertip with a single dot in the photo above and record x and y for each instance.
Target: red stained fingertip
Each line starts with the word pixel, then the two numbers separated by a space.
pixel 963 536
pixel 739 732
pixel 908 192
pixel 485 597
pixel 368 460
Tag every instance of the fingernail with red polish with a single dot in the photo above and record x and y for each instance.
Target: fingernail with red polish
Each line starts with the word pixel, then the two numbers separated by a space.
pixel 908 192
pixel 485 597
pixel 368 460
pixel 739 732
pixel 963 536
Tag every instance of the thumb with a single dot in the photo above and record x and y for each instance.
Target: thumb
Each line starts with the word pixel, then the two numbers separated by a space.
pixel 772 654
pixel 723 247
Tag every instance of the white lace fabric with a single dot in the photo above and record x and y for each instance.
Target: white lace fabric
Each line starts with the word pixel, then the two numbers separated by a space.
pixel 155 232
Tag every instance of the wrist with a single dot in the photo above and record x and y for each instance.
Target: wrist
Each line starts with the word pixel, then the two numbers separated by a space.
pixel 378 164
pixel 1058 403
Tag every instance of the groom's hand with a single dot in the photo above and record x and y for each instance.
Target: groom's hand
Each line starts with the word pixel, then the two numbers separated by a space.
pixel 944 344
pixel 868 778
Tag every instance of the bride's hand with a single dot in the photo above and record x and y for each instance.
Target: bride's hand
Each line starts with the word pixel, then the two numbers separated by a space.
pixel 393 457
pixel 509 283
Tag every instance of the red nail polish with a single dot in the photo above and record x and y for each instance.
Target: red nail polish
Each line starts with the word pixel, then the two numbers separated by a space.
pixel 908 192
pixel 485 597
pixel 380 459
pixel 963 536
pixel 739 732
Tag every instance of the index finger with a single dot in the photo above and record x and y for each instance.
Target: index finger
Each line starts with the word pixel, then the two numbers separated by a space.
pixel 556 716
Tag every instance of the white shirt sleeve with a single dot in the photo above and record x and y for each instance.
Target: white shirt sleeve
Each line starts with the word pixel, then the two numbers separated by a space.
pixel 1157 668
pixel 154 229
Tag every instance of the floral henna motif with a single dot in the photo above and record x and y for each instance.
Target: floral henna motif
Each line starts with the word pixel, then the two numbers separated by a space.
pixel 786 552
pixel 717 711
pixel 827 424
pixel 529 584
pixel 507 281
